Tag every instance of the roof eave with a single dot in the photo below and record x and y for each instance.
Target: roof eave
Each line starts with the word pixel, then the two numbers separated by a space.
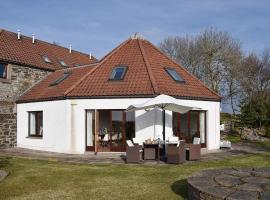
pixel 114 97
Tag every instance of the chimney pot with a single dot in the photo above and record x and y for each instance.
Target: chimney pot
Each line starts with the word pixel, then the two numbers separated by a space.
pixel 90 55
pixel 33 38
pixel 70 48
pixel 19 34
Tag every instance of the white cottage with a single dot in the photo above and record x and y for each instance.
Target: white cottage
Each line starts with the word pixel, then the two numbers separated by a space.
pixel 83 108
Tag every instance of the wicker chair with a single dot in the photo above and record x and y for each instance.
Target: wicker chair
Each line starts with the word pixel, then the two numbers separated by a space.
pixel 193 151
pixel 176 154
pixel 133 153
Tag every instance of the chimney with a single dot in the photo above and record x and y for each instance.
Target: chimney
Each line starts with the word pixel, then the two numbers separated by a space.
pixel 70 48
pixel 33 38
pixel 90 56
pixel 19 34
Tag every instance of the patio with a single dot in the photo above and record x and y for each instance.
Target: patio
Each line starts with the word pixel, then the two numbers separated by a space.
pixel 119 158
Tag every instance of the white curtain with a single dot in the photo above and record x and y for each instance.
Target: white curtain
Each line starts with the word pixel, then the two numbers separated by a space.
pixel 32 124
pixel 89 128
pixel 202 127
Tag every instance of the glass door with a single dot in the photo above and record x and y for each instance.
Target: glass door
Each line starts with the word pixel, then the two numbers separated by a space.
pixel 90 130
pixel 118 135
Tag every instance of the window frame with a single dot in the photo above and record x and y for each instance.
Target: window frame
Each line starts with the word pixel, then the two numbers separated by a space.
pixel 49 61
pixel 125 67
pixel 38 124
pixel 6 71
pixel 167 69
pixel 62 63
pixel 60 79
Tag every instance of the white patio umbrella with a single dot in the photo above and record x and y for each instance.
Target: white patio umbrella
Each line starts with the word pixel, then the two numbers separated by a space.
pixel 163 102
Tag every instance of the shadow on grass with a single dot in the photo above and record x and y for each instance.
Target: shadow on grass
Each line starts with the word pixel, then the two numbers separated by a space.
pixel 180 188
pixel 4 162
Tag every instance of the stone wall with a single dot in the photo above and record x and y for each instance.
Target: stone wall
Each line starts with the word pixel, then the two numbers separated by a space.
pixel 21 78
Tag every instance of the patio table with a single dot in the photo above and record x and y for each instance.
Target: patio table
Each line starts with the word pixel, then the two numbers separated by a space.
pixel 151 151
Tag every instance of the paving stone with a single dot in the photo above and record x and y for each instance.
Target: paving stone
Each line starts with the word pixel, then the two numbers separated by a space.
pixel 243 195
pixel 219 192
pixel 250 187
pixel 239 173
pixel 265 195
pixel 265 174
pixel 227 180
pixel 258 180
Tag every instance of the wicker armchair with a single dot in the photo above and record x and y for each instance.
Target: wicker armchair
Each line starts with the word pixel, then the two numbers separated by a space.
pixel 176 154
pixel 193 151
pixel 133 153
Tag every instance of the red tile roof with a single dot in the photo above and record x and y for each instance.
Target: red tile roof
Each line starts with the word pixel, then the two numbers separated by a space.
pixel 24 52
pixel 145 76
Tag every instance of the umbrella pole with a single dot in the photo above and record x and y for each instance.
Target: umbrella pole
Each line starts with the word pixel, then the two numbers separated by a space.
pixel 163 122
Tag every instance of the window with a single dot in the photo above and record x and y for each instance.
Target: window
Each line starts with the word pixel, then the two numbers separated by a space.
pixel 63 63
pixel 173 73
pixel 189 125
pixel 35 124
pixel 118 72
pixel 3 71
pixel 61 79
pixel 46 59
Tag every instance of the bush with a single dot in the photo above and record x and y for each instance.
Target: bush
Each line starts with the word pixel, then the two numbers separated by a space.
pixel 267 132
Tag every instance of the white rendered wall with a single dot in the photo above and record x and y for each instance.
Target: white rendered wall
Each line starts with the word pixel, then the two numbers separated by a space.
pixel 55 126
pixel 64 122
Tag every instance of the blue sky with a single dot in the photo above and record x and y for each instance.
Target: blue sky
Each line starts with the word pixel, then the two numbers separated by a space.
pixel 98 26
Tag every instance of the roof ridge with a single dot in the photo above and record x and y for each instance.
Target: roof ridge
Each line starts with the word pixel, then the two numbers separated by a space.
pixel 94 68
pixel 75 68
pixel 167 57
pixel 46 42
pixel 149 70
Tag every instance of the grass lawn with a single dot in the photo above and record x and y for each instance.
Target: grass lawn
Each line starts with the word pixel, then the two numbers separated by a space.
pixel 39 179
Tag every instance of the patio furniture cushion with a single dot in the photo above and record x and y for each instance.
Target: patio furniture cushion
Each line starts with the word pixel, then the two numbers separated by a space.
pixel 173 139
pixel 225 144
pixel 196 140
pixel 138 141
pixel 129 143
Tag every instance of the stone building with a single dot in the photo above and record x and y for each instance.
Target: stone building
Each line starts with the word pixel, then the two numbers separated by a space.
pixel 24 61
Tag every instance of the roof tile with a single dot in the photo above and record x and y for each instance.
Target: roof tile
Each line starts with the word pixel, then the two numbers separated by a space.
pixel 24 52
pixel 145 76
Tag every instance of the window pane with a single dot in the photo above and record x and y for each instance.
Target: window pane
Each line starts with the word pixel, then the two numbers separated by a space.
pixel 65 75
pixel 202 127
pixel 40 123
pixel 193 123
pixel 175 124
pixel 32 124
pixel 130 125
pixel 90 127
pixel 118 73
pixel 117 128
pixel 3 71
pixel 184 125
pixel 173 73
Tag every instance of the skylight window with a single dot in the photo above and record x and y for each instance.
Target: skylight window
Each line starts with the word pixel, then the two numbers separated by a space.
pixel 65 75
pixel 46 59
pixel 175 76
pixel 62 62
pixel 118 72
